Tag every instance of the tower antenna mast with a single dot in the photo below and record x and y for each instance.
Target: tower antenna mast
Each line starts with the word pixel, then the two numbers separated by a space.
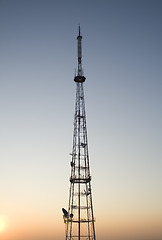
pixel 79 218
pixel 79 38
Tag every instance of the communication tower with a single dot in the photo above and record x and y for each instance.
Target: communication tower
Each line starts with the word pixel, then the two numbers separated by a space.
pixel 79 218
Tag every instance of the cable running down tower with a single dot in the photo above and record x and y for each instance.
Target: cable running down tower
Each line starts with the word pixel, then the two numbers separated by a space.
pixel 79 218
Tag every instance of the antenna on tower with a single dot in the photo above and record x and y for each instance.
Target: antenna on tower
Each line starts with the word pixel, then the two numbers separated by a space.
pixel 79 77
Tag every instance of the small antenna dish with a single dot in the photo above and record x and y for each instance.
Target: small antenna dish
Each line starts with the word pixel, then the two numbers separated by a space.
pixel 65 212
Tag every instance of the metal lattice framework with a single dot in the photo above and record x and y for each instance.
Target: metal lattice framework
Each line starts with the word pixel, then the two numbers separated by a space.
pixel 79 218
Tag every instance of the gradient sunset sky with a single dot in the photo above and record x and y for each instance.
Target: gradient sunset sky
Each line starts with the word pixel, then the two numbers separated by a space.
pixel 122 61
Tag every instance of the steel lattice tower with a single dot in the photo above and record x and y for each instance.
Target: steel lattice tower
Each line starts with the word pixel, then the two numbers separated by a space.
pixel 79 219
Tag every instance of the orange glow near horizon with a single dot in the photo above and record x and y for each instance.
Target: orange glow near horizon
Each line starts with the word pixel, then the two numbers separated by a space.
pixel 111 227
pixel 125 228
pixel 28 227
pixel 3 222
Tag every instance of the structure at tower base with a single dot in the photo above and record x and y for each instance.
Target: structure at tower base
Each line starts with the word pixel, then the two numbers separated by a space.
pixel 79 218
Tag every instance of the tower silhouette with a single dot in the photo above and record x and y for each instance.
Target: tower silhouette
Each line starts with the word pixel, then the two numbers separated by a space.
pixel 79 218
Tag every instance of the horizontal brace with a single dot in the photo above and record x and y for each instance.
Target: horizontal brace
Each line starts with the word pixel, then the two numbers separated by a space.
pixel 80 180
pixel 81 207
pixel 81 236
pixel 82 221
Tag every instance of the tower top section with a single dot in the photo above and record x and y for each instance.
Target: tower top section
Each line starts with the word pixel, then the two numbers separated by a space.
pixel 79 32
pixel 79 77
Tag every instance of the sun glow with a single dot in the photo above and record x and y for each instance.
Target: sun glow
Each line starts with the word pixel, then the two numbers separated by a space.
pixel 3 222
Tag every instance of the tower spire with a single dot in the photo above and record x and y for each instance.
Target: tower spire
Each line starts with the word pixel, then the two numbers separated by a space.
pixel 79 77
pixel 79 38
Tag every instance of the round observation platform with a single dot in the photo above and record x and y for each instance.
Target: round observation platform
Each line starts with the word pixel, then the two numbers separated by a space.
pixel 79 79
